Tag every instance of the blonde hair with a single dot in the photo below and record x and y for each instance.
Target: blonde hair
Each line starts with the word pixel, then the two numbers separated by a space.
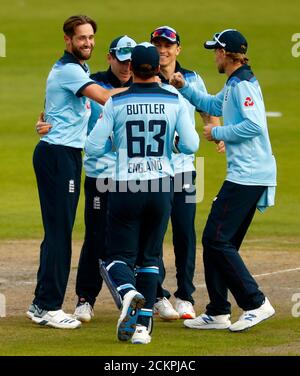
pixel 237 57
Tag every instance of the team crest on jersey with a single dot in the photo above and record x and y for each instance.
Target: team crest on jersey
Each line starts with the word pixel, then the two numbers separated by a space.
pixel 88 105
pixel 248 102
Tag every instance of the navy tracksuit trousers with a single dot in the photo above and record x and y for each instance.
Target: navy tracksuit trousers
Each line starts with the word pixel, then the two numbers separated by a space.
pixel 230 216
pixel 58 173
pixel 89 281
pixel 184 238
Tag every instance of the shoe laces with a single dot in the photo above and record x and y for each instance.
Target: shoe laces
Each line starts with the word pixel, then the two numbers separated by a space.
pixel 165 302
pixel 185 304
pixel 85 306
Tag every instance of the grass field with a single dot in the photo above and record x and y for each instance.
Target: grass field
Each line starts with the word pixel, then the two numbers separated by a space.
pixel 34 42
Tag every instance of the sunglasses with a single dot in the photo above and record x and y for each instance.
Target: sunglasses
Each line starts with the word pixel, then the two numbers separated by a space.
pixel 169 34
pixel 218 35
pixel 122 50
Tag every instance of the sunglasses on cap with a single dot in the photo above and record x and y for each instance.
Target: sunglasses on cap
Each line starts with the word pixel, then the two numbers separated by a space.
pixel 218 35
pixel 122 50
pixel 164 33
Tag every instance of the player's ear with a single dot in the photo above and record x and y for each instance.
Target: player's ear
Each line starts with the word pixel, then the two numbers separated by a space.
pixel 178 50
pixel 109 58
pixel 67 39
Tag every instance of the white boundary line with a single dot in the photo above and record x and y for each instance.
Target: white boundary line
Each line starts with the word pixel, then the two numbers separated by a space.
pixel 262 275
pixel 278 272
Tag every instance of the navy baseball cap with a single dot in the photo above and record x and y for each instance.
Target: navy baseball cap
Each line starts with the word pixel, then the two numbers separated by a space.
pixel 230 39
pixel 122 47
pixel 144 53
pixel 165 32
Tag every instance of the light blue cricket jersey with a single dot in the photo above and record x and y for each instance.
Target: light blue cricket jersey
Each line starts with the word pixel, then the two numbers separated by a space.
pixel 104 166
pixel 143 121
pixel 65 107
pixel 248 149
pixel 183 162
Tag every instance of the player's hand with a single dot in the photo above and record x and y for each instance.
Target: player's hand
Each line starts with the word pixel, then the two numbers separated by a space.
pixel 220 146
pixel 177 80
pixel 41 126
pixel 207 131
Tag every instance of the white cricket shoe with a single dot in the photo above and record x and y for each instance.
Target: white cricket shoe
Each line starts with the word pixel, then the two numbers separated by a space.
pixel 165 310
pixel 56 319
pixel 133 301
pixel 31 310
pixel 185 309
pixel 253 317
pixel 84 312
pixel 141 336
pixel 209 322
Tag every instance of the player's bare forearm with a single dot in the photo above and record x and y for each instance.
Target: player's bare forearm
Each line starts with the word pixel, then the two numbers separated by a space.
pixel 209 119
pixel 99 94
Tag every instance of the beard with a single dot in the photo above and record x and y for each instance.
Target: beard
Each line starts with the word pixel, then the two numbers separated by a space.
pixel 81 55
pixel 221 68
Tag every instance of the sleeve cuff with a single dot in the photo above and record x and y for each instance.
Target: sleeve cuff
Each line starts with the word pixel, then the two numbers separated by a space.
pixel 79 91
pixel 214 133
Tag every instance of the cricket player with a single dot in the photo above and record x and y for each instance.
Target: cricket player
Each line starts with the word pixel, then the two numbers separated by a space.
pixel 167 41
pixel 57 164
pixel 143 122
pixel 98 173
pixel 250 184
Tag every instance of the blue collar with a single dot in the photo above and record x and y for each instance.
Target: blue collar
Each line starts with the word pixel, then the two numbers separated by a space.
pixel 68 58
pixel 242 73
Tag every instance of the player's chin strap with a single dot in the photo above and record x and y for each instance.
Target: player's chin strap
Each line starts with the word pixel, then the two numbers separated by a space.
pixel 110 285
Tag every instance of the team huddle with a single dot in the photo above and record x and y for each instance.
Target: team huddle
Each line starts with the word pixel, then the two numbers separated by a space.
pixel 136 124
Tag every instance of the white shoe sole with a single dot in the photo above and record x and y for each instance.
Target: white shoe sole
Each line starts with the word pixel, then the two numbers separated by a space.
pixel 168 318
pixel 207 326
pixel 140 341
pixel 29 315
pixel 83 318
pixel 43 322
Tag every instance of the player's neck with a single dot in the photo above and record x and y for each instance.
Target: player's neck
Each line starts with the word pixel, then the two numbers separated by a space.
pixel 137 80
pixel 70 51
pixel 168 70
pixel 230 68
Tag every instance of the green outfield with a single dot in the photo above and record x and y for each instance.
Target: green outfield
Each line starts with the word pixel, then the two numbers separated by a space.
pixel 34 41
pixel 96 339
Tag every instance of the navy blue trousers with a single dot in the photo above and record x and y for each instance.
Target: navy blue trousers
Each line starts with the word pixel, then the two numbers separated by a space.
pixel 58 173
pixel 89 281
pixel 137 223
pixel 231 214
pixel 184 238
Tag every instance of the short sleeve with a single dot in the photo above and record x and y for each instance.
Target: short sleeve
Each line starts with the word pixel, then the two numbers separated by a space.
pixel 74 78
